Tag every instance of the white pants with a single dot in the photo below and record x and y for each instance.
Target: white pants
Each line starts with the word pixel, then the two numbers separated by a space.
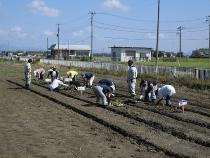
pixel 132 86
pixel 90 81
pixel 28 79
pixel 100 96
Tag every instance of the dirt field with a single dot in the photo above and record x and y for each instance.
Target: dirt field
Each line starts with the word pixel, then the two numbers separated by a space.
pixel 39 123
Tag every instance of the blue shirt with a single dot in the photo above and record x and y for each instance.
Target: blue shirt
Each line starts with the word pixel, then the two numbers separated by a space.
pixel 106 89
pixel 88 75
pixel 106 82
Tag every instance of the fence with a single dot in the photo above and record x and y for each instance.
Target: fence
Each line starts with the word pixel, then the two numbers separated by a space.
pixel 191 73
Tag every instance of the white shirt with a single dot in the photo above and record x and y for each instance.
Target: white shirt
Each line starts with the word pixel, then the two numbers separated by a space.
pixel 132 73
pixel 27 68
pixel 56 83
pixel 39 71
pixel 166 90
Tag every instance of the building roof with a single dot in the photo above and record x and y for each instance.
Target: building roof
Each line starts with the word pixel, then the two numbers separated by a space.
pixel 70 47
pixel 132 47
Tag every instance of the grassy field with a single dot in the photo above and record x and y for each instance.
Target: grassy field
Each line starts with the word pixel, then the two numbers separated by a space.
pixel 190 62
pixel 184 62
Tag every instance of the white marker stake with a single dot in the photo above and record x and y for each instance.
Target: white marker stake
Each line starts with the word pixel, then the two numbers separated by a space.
pixel 81 89
pixel 182 104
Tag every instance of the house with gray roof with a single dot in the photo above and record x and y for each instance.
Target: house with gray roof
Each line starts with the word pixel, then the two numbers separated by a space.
pixel 131 53
pixel 70 50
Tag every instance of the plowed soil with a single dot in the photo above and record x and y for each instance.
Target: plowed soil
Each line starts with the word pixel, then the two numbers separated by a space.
pixel 39 123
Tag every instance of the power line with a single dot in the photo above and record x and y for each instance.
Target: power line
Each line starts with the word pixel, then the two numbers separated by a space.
pixel 151 21
pixel 131 31
pixel 165 39
pixel 135 28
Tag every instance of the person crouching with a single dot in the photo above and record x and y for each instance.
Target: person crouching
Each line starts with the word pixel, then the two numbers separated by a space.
pixel 166 92
pixel 39 73
pixel 54 86
pixel 103 94
pixel 88 79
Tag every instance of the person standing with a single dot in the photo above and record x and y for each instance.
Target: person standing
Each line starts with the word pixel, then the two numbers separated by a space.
pixel 131 79
pixel 27 73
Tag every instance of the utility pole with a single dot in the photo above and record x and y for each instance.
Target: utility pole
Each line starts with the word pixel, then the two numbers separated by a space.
pixel 91 24
pixel 208 19
pixel 157 40
pixel 180 28
pixel 68 49
pixel 47 47
pixel 58 36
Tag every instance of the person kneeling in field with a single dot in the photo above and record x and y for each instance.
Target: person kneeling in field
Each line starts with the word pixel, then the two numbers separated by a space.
pixel 151 87
pixel 55 85
pixel 72 74
pixel 39 73
pixel 108 83
pixel 88 78
pixel 53 73
pixel 103 94
pixel 166 92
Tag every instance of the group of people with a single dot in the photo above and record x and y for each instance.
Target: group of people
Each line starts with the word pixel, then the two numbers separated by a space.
pixel 105 88
pixel 55 79
pixel 149 89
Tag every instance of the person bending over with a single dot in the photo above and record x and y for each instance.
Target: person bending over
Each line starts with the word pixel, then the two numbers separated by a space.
pixel 88 78
pixel 103 94
pixel 54 86
pixel 166 92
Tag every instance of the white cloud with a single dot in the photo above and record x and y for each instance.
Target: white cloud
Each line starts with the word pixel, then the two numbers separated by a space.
pixel 49 33
pixel 115 4
pixel 78 33
pixel 161 35
pixel 153 36
pixel 18 31
pixel 39 6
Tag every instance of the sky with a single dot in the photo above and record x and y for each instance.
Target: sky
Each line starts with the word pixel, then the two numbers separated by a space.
pixel 26 24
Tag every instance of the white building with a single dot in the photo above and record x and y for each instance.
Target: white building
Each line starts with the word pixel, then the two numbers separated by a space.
pixel 70 50
pixel 131 53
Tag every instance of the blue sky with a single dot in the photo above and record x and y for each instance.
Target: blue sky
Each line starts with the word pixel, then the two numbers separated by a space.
pixel 26 24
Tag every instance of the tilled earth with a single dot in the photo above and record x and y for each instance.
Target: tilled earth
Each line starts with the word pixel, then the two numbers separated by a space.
pixel 39 123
